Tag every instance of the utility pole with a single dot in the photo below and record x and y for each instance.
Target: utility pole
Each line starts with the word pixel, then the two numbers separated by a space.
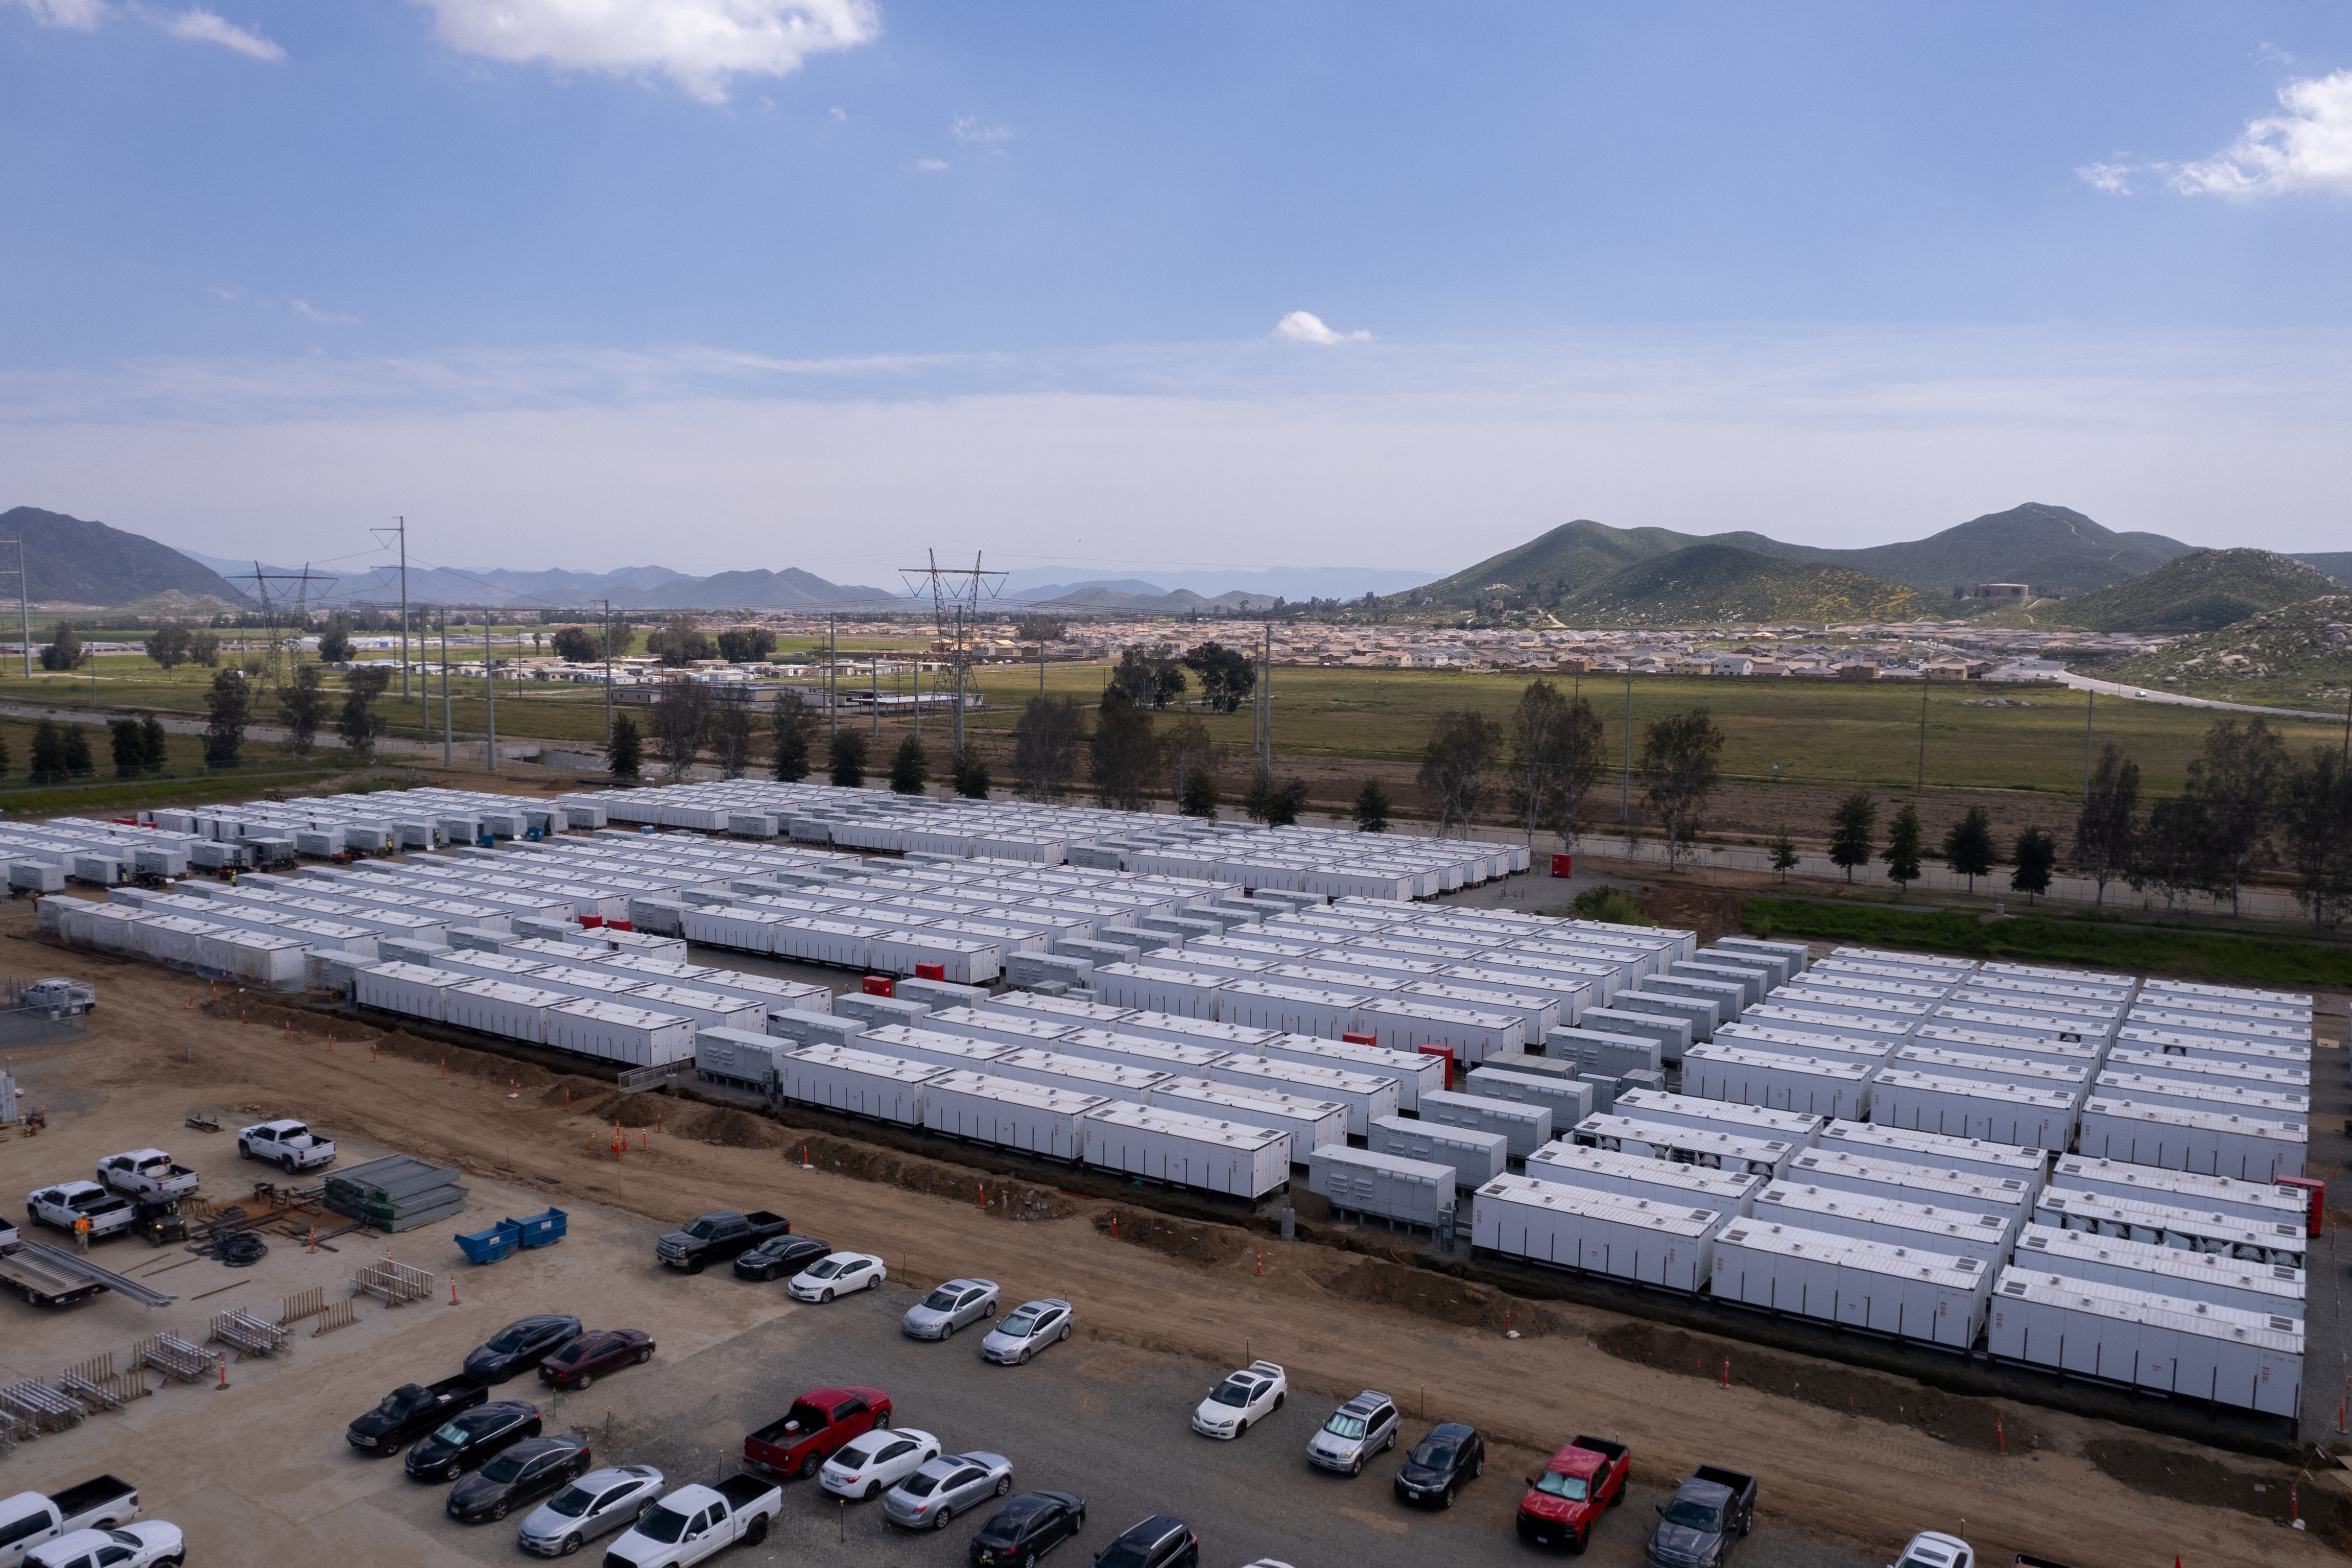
pixel 1920 785
pixel 447 735
pixel 24 609
pixel 2089 708
pixel 1625 790
pixel 490 690
pixel 399 529
pixel 608 671
pixel 832 680
pixel 874 689
pixel 959 661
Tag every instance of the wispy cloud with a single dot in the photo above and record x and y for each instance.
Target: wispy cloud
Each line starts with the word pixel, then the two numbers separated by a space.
pixel 2308 148
pixel 81 15
pixel 309 313
pixel 1307 327
pixel 204 27
pixel 697 44
pixel 2115 179
pixel 973 132
pixel 930 165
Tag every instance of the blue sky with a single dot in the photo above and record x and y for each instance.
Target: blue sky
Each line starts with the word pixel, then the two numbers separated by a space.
pixel 765 282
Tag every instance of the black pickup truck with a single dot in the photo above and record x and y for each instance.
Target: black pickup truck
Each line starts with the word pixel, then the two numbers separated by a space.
pixel 1711 1511
pixel 411 1411
pixel 717 1236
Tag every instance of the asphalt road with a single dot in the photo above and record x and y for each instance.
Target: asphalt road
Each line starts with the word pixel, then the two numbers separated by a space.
pixel 1104 1421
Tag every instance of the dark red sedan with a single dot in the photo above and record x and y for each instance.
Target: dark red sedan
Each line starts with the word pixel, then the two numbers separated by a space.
pixel 599 1351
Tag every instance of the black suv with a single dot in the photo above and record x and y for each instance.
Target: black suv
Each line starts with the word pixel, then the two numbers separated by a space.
pixel 519 1346
pixel 1159 1541
pixel 1438 1463
pixel 779 1258
pixel 1027 1527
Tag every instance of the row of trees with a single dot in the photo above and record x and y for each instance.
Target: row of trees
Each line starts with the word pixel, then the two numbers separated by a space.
pixel 1969 847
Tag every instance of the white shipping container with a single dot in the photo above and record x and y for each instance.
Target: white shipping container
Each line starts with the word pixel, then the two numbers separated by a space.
pixel 1311 1124
pixel 1749 1120
pixel 1937 1061
pixel 2250 1360
pixel 1808 1021
pixel 2134 1219
pixel 1161 1056
pixel 1528 1126
pixel 2250 1075
pixel 1852 1052
pixel 1027 1117
pixel 1003 1027
pixel 1365 1095
pixel 500 1008
pixel 859 1083
pixel 1601 1233
pixel 1287 1008
pixel 410 989
pixel 1083 1075
pixel 2207 1095
pixel 1477 1157
pixel 1390 1186
pixel 2082 1056
pixel 1187 1151
pixel 1728 1193
pixel 1960 1108
pixel 1910 1183
pixel 2212 1048
pixel 2210 1144
pixel 2257 1201
pixel 1907 1292
pixel 1809 1086
pixel 1569 1099
pixel 1472 1035
pixel 737 1056
pixel 934 1047
pixel 1028 1004
pixel 1411 1071
pixel 1937 1151
pixel 2164 1271
pixel 616 1032
pixel 1712 1149
pixel 1963 1233
pixel 1150 989
pixel 1179 1029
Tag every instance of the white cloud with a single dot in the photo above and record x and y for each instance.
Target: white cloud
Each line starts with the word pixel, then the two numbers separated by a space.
pixel 309 313
pixel 840 115
pixel 1307 327
pixel 203 27
pixel 81 15
pixel 974 133
pixel 930 165
pixel 2113 178
pixel 2308 148
pixel 699 44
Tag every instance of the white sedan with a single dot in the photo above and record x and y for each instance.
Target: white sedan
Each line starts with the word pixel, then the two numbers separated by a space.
pixel 865 1467
pixel 1245 1398
pixel 149 1543
pixel 1024 1333
pixel 837 1274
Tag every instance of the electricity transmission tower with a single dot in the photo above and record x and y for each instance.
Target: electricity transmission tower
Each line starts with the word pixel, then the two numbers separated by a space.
pixel 955 590
pixel 274 644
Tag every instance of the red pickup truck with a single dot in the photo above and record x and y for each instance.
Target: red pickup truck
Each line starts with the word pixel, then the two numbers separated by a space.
pixel 820 1421
pixel 1564 1502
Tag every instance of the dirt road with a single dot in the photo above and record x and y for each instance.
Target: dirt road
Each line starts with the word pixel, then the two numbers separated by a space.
pixel 1339 1321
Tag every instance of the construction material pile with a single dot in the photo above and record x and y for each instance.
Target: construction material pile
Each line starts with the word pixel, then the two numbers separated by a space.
pixel 398 1192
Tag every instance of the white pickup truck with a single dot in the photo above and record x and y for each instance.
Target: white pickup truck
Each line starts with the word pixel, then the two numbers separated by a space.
pixel 68 1200
pixel 61 997
pixel 286 1143
pixel 147 1174
pixel 30 1520
pixel 694 1523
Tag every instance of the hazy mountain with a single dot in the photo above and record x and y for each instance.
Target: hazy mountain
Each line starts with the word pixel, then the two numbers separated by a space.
pixel 628 587
pixel 2202 591
pixel 1292 582
pixel 2336 564
pixel 1713 583
pixel 1096 600
pixel 2056 552
pixel 69 560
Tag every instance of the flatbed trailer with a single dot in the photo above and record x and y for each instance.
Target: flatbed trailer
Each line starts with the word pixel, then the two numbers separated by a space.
pixel 44 1283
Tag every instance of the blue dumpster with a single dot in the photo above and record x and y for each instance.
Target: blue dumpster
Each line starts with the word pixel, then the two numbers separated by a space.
pixel 541 1229
pixel 489 1245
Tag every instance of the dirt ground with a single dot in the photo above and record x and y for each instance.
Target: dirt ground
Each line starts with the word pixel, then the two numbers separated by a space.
pixel 1889 1458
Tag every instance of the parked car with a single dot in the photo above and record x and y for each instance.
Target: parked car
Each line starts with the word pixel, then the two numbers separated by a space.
pixel 288 1144
pixel 779 1258
pixel 147 1174
pixel 59 1206
pixel 1934 1549
pixel 519 1346
pixel 1030 1328
pixel 463 1442
pixel 1242 1400
pixel 149 1543
pixel 958 1304
pixel 410 1411
pixel 1440 1464
pixel 599 1351
pixel 518 1474
pixel 1710 1511
pixel 1162 1541
pixel 696 1522
pixel 1582 1481
pixel 1027 1527
pixel 721 1234
pixel 865 1467
pixel 593 1505
pixel 32 1519
pixel 1364 1425
pixel 945 1487
pixel 816 1425
pixel 837 1274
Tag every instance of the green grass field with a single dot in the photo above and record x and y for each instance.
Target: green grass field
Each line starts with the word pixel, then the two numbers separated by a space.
pixel 1818 732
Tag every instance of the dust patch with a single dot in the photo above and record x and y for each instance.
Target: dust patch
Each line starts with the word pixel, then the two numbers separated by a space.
pixel 1211 1246
pixel 248 1009
pixel 1462 1303
pixel 1002 1197
pixel 1947 1417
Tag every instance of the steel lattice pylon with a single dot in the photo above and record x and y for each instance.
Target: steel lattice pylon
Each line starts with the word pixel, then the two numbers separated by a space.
pixel 955 589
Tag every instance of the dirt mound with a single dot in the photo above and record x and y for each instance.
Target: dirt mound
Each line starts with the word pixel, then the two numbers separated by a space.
pixel 1948 1417
pixel 735 1129
pixel 1209 1244
pixel 1712 912
pixel 2191 1475
pixel 999 1195
pixel 249 1008
pixel 461 1061
pixel 1460 1302
pixel 632 1109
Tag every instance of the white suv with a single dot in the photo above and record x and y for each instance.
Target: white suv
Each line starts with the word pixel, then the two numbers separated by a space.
pixel 1242 1400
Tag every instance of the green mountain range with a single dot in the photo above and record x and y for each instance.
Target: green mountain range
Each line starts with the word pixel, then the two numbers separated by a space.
pixel 2202 591
pixel 2056 552
pixel 1720 583
pixel 2302 650
pixel 75 562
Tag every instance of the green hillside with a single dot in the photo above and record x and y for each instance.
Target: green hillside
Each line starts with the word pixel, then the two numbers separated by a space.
pixel 1713 583
pixel 1570 557
pixel 2202 591
pixel 82 563
pixel 2302 653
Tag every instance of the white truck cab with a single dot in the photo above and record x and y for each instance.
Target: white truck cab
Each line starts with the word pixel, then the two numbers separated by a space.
pixel 1934 1549
pixel 286 1143
pixel 61 1206
pixel 58 995
pixel 147 1174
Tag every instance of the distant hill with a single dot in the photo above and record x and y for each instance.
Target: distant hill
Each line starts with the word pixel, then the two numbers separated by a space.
pixel 629 588
pixel 2054 551
pixel 1028 585
pixel 1718 583
pixel 2202 591
pixel 2307 644
pixel 82 563
pixel 2336 564
pixel 1099 600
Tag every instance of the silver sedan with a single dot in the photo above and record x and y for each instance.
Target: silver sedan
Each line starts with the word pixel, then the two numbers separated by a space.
pixel 1029 1329
pixel 946 1487
pixel 957 1304
pixel 597 1503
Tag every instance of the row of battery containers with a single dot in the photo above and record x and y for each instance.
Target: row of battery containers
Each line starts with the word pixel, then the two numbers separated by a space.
pixel 253 958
